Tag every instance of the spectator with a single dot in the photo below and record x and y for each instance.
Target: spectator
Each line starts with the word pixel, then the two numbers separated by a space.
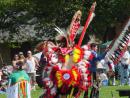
pixel 128 74
pixel 21 56
pixel 93 63
pixel 15 60
pixel 94 48
pixel 5 72
pixel 123 68
pixel 31 67
pixel 0 75
pixel 110 69
pixel 95 59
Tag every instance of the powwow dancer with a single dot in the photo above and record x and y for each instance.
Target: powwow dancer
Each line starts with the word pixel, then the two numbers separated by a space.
pixel 19 83
pixel 66 73
pixel 53 57
pixel 66 76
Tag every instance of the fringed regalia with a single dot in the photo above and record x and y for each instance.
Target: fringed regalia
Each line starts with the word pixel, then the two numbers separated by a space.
pixel 66 74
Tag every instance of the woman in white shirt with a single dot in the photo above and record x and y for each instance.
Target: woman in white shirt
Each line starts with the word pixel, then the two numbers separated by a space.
pixel 31 64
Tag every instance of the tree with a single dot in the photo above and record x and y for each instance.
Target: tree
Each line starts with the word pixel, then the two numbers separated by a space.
pixel 108 14
pixel 22 20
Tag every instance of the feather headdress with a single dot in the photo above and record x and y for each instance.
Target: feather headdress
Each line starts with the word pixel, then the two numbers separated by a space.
pixel 71 33
pixel 119 44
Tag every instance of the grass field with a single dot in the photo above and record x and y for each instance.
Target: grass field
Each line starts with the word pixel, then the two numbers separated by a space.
pixel 105 92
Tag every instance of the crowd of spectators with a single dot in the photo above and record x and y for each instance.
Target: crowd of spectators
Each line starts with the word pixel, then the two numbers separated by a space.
pixel 29 65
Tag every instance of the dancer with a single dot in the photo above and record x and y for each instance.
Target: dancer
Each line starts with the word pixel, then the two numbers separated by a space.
pixel 19 83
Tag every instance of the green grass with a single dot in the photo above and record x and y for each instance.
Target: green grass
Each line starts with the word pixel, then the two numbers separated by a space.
pixel 34 94
pixel 105 92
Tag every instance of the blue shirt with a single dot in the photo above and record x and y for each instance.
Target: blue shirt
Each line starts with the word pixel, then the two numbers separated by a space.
pixel 95 59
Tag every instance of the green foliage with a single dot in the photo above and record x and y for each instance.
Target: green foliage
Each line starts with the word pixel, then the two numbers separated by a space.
pixel 108 14
pixel 38 14
pixel 14 45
